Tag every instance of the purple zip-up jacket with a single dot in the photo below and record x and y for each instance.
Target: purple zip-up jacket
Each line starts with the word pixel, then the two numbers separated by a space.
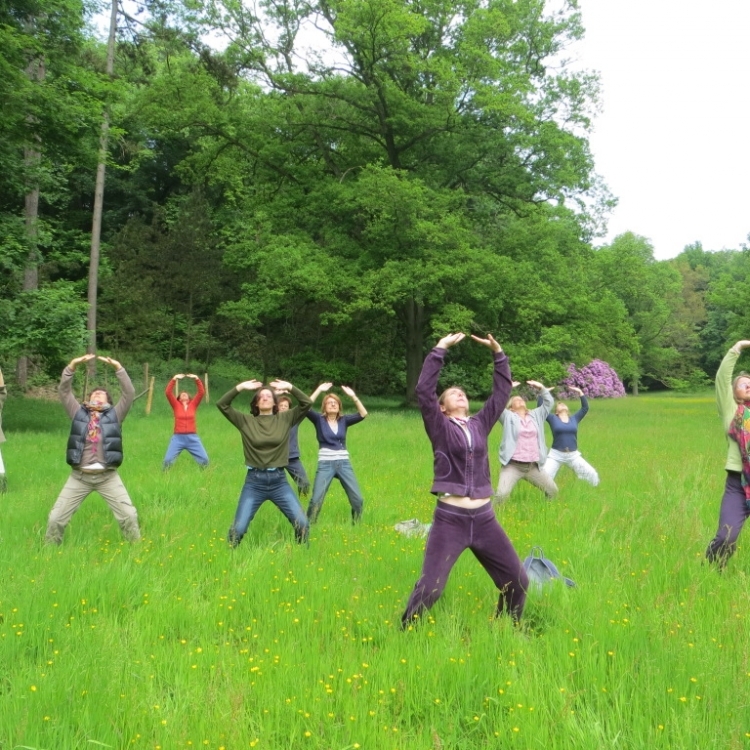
pixel 461 469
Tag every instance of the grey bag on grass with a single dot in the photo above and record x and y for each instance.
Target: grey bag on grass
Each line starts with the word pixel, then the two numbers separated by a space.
pixel 541 570
pixel 413 527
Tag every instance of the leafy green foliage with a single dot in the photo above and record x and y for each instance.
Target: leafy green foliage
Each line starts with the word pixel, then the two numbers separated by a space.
pixel 48 322
pixel 333 190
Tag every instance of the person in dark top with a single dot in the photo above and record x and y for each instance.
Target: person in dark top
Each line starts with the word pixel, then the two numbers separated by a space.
pixel 564 448
pixel 295 467
pixel 265 443
pixel 94 452
pixel 333 457
pixel 464 517
pixel 3 396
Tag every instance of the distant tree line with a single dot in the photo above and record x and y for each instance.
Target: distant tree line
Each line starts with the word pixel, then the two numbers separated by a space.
pixel 326 204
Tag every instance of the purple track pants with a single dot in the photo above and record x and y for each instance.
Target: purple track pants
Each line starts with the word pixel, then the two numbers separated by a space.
pixel 732 516
pixel 454 530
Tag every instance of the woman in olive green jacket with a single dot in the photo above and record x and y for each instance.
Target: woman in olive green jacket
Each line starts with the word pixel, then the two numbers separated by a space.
pixel 734 507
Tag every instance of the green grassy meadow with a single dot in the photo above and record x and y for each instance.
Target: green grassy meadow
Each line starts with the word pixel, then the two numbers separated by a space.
pixel 180 642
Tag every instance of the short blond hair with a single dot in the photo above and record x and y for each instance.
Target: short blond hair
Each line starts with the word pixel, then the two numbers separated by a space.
pixel 338 402
pixel 512 399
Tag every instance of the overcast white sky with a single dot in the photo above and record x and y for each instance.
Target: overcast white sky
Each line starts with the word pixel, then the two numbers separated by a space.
pixel 673 141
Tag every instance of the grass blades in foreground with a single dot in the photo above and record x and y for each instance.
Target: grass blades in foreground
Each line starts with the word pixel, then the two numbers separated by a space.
pixel 180 642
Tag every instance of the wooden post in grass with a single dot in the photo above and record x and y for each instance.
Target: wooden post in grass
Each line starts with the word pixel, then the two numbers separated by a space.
pixel 150 397
pixel 205 382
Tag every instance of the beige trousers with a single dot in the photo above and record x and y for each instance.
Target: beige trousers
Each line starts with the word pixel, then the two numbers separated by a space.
pixel 78 487
pixel 530 471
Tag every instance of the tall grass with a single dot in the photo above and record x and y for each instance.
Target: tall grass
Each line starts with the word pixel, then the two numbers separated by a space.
pixel 180 642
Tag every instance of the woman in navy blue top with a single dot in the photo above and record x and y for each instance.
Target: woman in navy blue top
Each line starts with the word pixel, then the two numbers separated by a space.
pixel 333 457
pixel 565 441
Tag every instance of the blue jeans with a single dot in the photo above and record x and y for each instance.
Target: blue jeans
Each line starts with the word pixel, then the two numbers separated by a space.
pixel 297 472
pixel 342 470
pixel 189 442
pixel 261 486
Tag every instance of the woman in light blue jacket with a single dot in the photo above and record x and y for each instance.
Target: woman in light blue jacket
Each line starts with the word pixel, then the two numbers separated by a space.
pixel 522 448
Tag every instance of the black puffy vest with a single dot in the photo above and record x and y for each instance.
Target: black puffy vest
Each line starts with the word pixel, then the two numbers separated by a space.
pixel 111 437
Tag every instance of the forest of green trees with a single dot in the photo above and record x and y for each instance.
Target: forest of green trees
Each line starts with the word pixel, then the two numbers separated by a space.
pixel 319 189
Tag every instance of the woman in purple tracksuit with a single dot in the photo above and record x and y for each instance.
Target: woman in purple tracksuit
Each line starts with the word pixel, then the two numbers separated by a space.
pixel 464 516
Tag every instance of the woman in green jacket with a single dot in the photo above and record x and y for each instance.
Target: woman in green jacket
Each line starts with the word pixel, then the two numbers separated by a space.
pixel 265 443
pixel 730 392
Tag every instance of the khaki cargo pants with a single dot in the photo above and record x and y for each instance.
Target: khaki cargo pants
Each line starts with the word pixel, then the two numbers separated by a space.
pixel 78 487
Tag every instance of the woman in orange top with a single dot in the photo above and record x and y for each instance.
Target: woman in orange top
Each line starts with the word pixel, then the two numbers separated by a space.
pixel 185 436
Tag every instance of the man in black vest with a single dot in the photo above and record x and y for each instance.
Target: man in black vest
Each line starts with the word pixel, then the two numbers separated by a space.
pixel 94 452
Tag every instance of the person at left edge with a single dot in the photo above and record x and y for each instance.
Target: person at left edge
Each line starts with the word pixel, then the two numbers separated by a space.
pixel 94 452
pixel 265 442
pixel 3 395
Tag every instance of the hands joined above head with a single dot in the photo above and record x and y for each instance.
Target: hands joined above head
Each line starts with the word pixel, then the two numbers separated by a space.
pixel 88 357
pixel 249 385
pixel 535 384
pixel 280 385
pixel 455 338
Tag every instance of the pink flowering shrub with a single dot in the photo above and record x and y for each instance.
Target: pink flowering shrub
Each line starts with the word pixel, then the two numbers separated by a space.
pixel 597 380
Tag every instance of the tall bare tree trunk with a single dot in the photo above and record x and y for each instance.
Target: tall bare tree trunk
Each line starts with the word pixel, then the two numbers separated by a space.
pixel 32 157
pixel 96 227
pixel 189 331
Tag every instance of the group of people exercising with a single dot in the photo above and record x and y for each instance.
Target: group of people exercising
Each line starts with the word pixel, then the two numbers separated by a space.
pixel 269 440
pixel 464 516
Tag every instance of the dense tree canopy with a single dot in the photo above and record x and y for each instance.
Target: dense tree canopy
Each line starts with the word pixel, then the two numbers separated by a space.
pixel 326 187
